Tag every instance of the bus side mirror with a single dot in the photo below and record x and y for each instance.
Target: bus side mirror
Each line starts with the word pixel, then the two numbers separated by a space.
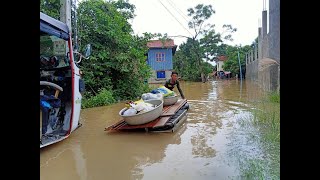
pixel 88 51
pixel 82 87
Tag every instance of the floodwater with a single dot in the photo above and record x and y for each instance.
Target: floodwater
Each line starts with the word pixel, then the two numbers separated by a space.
pixel 199 149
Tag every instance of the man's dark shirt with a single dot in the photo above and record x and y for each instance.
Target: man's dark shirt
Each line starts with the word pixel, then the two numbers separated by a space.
pixel 171 86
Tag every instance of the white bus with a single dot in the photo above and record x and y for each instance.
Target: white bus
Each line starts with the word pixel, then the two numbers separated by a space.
pixel 61 85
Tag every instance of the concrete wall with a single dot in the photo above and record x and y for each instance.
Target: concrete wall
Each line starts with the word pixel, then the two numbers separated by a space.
pixel 265 69
pixel 274 30
pixel 252 71
pixel 268 74
pixel 265 47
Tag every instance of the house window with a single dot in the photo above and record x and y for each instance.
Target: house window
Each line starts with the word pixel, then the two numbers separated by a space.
pixel 160 56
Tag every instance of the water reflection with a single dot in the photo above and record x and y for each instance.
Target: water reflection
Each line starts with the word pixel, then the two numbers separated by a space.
pixel 197 150
pixel 69 152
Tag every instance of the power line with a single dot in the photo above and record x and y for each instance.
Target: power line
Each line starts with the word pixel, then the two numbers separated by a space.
pixel 179 9
pixel 176 8
pixel 175 17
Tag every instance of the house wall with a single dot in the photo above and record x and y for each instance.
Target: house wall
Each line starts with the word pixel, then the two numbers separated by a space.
pixel 219 65
pixel 154 80
pixel 165 65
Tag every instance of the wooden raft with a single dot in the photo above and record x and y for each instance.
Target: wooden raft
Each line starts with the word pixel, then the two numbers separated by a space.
pixel 167 112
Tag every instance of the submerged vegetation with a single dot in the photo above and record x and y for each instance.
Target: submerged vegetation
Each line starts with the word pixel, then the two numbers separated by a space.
pixel 264 132
pixel 268 117
pixel 103 98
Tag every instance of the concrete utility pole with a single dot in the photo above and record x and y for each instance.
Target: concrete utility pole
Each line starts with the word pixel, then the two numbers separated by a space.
pixel 240 66
pixel 75 26
pixel 65 15
pixel 65 12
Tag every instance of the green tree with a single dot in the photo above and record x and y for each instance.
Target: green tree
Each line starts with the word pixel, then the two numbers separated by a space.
pixel 118 60
pixel 185 61
pixel 232 64
pixel 206 44
pixel 51 8
pixel 125 8
pixel 199 15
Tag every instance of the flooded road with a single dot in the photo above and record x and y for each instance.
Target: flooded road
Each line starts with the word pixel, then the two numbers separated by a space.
pixel 197 150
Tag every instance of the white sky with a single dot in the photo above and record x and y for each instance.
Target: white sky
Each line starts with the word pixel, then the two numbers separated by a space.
pixel 245 15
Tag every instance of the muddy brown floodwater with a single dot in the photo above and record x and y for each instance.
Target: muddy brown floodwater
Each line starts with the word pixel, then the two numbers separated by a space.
pixel 197 150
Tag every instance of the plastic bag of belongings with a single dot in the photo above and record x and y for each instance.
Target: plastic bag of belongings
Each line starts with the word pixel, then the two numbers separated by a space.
pixel 163 90
pixel 149 96
pixel 169 97
pixel 138 107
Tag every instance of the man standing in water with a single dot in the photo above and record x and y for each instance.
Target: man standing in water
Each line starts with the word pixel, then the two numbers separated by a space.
pixel 170 83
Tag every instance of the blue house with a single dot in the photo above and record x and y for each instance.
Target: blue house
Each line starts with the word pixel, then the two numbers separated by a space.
pixel 160 56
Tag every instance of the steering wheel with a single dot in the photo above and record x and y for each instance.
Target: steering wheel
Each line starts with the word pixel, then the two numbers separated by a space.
pixel 53 85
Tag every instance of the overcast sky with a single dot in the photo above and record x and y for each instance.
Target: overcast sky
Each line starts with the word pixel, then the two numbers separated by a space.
pixel 170 16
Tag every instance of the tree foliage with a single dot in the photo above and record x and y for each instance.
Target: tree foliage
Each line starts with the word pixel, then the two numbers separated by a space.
pixel 51 8
pixel 232 64
pixel 125 8
pixel 199 15
pixel 186 63
pixel 204 46
pixel 118 61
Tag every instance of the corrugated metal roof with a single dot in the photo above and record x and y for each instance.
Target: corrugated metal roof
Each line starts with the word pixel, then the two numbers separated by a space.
pixel 160 44
pixel 222 58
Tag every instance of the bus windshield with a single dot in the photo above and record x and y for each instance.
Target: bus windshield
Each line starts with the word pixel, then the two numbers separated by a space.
pixel 53 52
